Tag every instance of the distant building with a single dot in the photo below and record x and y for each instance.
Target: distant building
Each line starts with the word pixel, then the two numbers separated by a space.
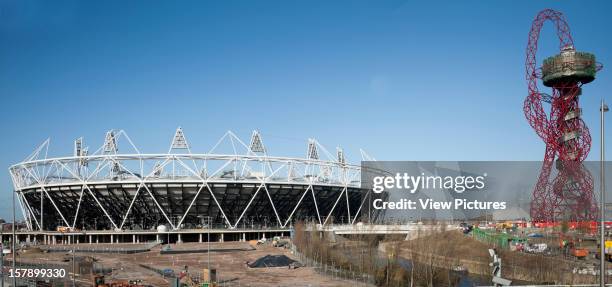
pixel 609 211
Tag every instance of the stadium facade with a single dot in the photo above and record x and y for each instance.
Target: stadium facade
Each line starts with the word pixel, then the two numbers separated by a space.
pixel 233 186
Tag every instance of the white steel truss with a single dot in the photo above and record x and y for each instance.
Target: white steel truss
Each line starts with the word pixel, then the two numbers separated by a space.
pixel 179 185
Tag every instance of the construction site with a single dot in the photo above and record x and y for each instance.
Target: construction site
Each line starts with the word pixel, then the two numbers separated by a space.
pixel 187 264
pixel 222 218
pixel 337 255
pixel 239 216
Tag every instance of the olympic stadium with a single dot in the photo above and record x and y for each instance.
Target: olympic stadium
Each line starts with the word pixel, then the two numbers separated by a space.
pixel 236 185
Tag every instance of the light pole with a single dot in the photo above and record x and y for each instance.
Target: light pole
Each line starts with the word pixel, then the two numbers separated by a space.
pixel 602 198
pixel 73 268
pixel 208 243
pixel 14 251
pixel 208 218
pixel 2 254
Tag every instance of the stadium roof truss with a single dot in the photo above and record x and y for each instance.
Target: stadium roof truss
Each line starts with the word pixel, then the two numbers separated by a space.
pixel 231 161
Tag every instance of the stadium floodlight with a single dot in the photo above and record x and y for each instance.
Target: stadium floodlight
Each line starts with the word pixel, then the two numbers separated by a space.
pixel 179 141
pixel 110 144
pixel 78 145
pixel 256 145
pixel 340 155
pixel 312 149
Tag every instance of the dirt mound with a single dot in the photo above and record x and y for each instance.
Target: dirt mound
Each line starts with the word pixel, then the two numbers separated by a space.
pixel 32 250
pixel 272 261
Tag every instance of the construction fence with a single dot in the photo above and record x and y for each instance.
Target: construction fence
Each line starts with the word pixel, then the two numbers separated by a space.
pixel 332 271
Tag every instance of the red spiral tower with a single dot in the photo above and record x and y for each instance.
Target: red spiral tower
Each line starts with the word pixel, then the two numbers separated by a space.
pixel 568 194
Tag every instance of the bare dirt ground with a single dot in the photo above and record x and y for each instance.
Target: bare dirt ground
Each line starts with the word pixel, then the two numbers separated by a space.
pixel 229 259
pixel 455 248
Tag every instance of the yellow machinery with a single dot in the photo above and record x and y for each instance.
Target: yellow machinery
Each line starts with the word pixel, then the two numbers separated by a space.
pixel 608 250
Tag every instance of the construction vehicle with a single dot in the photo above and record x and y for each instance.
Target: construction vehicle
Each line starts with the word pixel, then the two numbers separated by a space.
pixel 607 251
pixel 578 252
pixel 98 281
pixel 504 225
pixel 572 247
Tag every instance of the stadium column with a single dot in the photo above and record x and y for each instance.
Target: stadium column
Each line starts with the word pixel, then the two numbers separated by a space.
pixel 133 238
pixel 112 239
pixel 200 238
pixel 89 238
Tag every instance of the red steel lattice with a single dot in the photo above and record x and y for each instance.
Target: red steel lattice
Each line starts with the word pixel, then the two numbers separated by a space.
pixel 569 194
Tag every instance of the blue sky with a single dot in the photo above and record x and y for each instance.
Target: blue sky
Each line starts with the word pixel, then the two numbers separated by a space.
pixel 405 80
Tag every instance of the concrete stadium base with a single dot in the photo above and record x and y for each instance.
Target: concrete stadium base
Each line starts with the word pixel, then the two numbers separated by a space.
pixel 143 236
